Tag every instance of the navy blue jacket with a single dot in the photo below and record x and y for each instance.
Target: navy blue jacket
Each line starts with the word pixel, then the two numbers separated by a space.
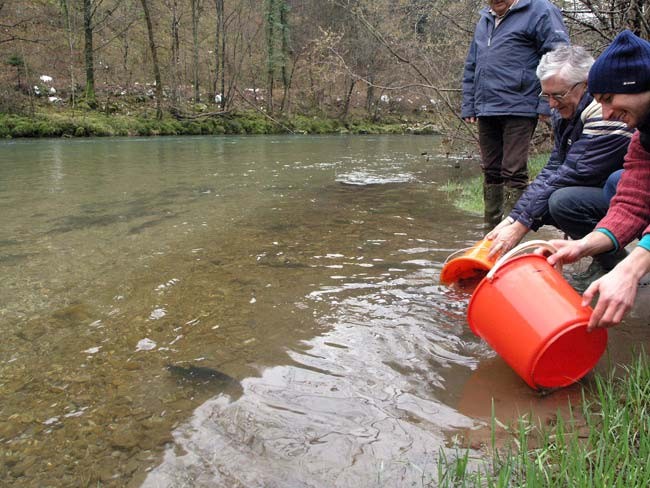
pixel 499 76
pixel 587 150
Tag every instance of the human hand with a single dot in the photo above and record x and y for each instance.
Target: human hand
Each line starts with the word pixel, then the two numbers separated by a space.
pixel 494 232
pixel 470 120
pixel 617 289
pixel 616 293
pixel 505 236
pixel 566 251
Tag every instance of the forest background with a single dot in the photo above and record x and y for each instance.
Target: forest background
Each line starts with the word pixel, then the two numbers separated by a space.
pixel 250 66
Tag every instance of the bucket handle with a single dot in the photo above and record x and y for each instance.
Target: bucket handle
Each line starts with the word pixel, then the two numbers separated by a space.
pixel 524 246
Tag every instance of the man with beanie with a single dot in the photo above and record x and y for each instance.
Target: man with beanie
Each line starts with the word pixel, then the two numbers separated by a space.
pixel 620 81
pixel 568 192
pixel 500 92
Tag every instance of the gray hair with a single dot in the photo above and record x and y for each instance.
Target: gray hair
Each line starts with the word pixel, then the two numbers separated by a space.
pixel 571 63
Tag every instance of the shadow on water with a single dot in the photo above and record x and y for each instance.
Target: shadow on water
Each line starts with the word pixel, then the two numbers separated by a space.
pixel 273 321
pixel 205 378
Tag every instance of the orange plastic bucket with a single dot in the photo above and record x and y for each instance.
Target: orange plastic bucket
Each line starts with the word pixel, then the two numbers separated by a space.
pixel 472 264
pixel 528 313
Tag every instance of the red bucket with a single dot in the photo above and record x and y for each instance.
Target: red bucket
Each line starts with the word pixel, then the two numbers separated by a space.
pixel 472 264
pixel 528 313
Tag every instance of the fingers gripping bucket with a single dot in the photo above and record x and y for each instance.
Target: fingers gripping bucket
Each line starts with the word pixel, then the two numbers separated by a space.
pixel 473 263
pixel 528 313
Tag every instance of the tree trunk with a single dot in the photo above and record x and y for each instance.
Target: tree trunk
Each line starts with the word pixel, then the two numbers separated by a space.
pixel 220 55
pixel 68 26
pixel 176 61
pixel 88 54
pixel 154 57
pixel 270 47
pixel 196 12
pixel 286 52
pixel 348 99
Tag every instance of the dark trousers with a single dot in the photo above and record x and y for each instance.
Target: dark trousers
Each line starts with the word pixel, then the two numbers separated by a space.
pixel 576 210
pixel 504 142
pixel 612 183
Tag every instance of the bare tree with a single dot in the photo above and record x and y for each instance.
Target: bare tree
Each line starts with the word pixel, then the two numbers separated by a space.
pixel 600 20
pixel 219 87
pixel 154 57
pixel 197 7
pixel 91 20
pixel 175 61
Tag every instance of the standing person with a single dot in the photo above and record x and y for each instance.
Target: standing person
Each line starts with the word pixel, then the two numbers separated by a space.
pixel 500 92
pixel 620 81
pixel 568 192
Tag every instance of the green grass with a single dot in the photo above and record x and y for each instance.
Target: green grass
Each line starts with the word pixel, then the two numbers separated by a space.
pixel 468 195
pixel 609 446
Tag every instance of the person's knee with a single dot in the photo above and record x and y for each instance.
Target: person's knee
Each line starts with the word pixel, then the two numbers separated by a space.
pixel 610 185
pixel 558 203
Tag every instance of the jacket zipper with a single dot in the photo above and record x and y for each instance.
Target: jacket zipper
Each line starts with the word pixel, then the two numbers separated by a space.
pixel 495 27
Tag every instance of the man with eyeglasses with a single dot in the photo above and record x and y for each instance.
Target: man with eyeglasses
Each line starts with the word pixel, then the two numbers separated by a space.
pixel 620 81
pixel 568 192
pixel 500 92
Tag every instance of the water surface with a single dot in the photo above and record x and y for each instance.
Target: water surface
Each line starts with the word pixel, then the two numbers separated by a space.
pixel 240 311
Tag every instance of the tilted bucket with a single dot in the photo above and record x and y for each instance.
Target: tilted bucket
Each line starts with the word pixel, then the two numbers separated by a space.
pixel 473 263
pixel 528 313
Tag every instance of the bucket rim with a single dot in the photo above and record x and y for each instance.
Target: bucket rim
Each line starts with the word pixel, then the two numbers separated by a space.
pixel 514 260
pixel 460 264
pixel 579 323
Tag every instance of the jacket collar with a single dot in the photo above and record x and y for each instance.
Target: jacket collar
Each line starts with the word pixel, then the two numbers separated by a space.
pixel 521 4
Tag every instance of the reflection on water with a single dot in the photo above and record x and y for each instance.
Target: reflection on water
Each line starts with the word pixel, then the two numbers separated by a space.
pixel 238 312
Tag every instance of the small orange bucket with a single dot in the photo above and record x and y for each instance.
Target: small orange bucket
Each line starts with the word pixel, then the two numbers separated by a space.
pixel 528 313
pixel 472 264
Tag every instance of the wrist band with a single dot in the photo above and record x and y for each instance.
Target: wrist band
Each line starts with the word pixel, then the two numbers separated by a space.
pixel 611 238
pixel 645 242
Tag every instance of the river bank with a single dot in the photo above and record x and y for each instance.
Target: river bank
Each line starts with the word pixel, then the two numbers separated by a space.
pixel 598 441
pixel 69 123
pixel 602 442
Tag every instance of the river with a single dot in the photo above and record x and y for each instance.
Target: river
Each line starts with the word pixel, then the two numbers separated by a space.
pixel 242 311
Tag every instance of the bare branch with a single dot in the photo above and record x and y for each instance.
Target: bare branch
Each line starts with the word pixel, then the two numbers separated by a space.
pixel 402 59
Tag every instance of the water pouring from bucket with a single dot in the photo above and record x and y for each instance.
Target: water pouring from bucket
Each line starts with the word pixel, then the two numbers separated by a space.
pixel 470 264
pixel 530 315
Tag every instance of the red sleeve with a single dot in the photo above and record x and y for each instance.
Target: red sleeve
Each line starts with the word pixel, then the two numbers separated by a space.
pixel 629 212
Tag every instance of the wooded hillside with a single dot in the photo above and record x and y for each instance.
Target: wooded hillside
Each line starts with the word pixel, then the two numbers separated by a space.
pixel 329 57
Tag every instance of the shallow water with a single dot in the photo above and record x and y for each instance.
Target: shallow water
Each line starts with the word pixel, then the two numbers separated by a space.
pixel 240 311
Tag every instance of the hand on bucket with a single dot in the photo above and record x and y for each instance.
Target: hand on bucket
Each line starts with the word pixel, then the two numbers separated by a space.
pixel 567 252
pixel 571 251
pixel 505 236
pixel 617 290
pixel 616 293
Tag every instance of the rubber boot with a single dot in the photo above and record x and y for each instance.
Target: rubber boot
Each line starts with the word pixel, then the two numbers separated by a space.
pixel 609 261
pixel 510 199
pixel 600 265
pixel 492 204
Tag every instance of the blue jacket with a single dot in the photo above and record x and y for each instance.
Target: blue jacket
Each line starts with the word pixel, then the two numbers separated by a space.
pixel 499 76
pixel 587 150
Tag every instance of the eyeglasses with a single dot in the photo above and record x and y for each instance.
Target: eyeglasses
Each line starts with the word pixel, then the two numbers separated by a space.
pixel 558 97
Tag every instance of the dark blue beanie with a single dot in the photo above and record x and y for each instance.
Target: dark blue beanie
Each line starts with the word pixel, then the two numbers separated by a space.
pixel 624 67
